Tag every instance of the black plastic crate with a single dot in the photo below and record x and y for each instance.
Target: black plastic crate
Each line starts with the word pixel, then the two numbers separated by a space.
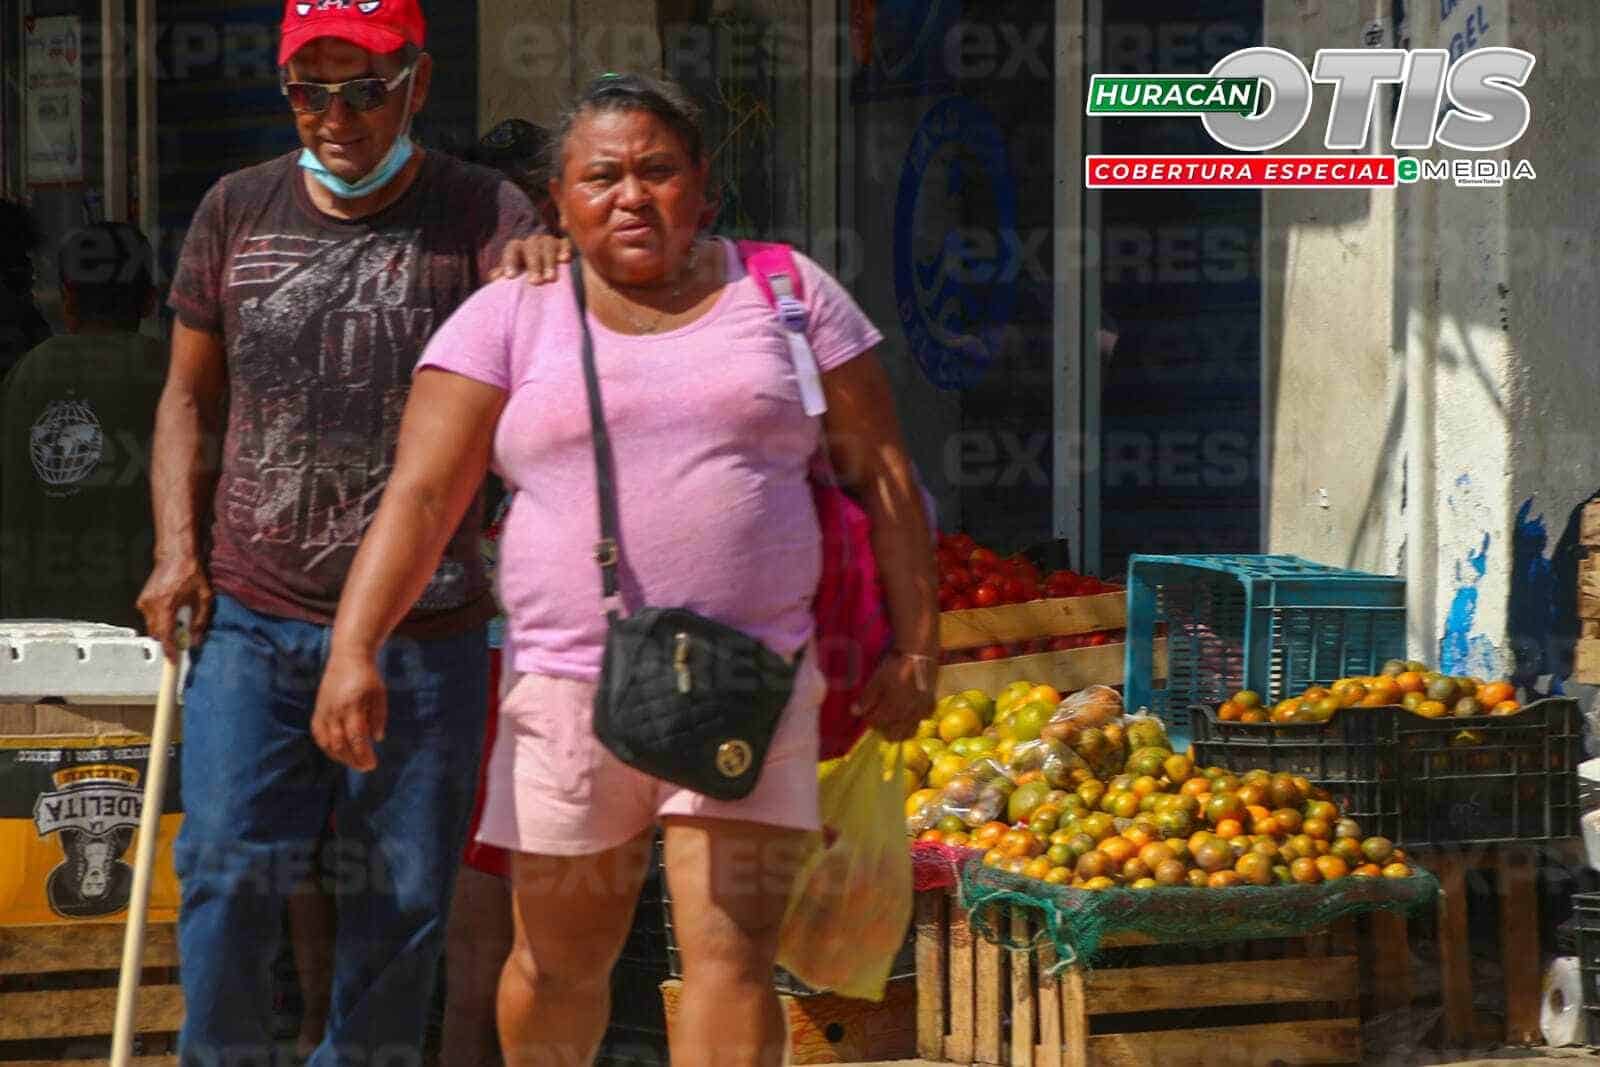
pixel 1490 779
pixel 1353 756
pixel 1423 782
pixel 1586 924
pixel 637 1031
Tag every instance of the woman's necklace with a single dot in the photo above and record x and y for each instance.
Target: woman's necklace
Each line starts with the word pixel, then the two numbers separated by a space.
pixel 624 305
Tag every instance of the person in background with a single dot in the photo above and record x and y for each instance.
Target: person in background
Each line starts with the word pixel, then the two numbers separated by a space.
pixel 306 290
pixel 712 451
pixel 520 150
pixel 76 420
pixel 22 324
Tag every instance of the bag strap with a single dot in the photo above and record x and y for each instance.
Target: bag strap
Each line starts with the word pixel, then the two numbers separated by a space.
pixel 606 552
pixel 772 267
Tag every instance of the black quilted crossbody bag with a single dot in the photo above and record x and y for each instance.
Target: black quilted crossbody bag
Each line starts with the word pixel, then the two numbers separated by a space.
pixel 682 697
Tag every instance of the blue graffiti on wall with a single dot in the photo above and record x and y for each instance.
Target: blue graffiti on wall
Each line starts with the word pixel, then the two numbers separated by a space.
pixel 1461 651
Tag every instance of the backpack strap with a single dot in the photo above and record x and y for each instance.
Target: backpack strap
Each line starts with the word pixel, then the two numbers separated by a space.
pixel 772 267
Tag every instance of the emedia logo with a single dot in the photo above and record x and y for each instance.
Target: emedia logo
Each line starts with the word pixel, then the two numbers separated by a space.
pixel 1488 112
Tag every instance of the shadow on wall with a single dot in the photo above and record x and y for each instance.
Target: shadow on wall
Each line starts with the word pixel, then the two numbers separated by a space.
pixel 1543 612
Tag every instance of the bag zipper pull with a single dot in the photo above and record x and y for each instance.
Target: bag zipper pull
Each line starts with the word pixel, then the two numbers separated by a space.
pixel 680 662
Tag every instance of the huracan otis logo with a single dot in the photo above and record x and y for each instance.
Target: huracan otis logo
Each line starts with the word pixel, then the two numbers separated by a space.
pixel 1487 112
pixel 955 237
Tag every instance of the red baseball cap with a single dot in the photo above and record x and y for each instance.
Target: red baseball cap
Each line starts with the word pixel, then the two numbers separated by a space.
pixel 376 25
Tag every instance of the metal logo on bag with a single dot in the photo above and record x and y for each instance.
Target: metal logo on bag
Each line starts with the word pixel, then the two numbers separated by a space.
pixel 734 758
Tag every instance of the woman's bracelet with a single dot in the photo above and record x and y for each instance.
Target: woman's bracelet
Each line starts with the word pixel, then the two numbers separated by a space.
pixel 925 667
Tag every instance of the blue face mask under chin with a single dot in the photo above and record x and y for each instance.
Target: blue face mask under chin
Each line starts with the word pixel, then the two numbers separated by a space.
pixel 399 155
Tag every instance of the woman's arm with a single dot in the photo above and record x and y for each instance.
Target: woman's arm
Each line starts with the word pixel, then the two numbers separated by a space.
pixel 869 457
pixel 446 437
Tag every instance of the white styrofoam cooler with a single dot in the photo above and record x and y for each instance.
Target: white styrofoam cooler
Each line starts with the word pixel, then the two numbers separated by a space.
pixel 1589 805
pixel 79 662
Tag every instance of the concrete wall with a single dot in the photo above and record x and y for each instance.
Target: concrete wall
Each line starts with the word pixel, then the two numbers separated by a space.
pixel 1332 376
pixel 1464 323
pixel 1551 314
pixel 534 54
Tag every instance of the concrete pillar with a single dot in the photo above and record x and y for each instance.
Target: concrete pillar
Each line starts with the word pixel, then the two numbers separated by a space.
pixel 1332 376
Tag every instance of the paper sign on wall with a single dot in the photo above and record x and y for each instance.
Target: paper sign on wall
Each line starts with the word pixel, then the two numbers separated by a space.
pixel 53 66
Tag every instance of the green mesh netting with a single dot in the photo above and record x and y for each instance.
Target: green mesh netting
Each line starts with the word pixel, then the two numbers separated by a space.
pixel 1076 920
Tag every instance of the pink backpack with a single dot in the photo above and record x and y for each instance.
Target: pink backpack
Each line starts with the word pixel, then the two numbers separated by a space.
pixel 852 620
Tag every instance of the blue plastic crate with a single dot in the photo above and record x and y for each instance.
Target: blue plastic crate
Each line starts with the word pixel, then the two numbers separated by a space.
pixel 1274 624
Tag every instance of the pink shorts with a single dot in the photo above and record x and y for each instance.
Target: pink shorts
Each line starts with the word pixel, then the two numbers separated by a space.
pixel 553 789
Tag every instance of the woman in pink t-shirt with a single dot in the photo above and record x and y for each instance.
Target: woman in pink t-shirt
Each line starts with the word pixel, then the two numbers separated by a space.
pixel 711 449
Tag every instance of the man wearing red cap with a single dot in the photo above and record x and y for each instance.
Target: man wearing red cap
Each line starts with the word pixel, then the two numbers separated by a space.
pixel 306 291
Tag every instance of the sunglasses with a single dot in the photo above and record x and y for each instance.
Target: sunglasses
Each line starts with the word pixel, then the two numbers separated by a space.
pixel 360 94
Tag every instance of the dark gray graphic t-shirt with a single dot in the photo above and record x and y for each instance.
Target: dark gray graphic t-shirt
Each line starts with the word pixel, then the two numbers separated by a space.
pixel 323 320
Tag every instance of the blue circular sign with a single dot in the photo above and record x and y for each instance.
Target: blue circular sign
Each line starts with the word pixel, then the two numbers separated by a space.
pixel 955 242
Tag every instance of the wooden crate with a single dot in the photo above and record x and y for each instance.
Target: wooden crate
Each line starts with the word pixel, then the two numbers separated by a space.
pixel 1291 1001
pixel 1586 664
pixel 827 1029
pixel 1514 869
pixel 58 995
pixel 1056 617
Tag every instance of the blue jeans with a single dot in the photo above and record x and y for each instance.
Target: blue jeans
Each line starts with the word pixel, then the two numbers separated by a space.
pixel 257 793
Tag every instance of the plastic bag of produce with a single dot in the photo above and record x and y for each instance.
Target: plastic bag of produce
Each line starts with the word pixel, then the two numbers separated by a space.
pixel 851 903
pixel 1061 767
pixel 1089 722
pixel 975 796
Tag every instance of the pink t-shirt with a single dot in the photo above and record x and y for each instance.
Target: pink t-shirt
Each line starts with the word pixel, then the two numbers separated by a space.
pixel 710 445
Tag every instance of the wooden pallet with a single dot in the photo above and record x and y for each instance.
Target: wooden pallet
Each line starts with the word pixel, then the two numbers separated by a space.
pixel 58 994
pixel 827 1029
pixel 1067 670
pixel 1291 1001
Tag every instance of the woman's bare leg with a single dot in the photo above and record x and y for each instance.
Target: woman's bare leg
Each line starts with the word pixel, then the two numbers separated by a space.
pixel 311 934
pixel 572 916
pixel 730 885
pixel 477 943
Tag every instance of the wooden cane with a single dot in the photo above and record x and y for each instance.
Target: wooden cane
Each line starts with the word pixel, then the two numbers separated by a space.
pixel 155 787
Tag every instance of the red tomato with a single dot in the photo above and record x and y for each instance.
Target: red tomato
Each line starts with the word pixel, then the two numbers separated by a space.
pixel 957 578
pixel 986 595
pixel 1030 588
pixel 989 652
pixel 1061 583
pixel 1101 638
pixel 961 545
pixel 1061 644
pixel 959 602
pixel 1013 591
pixel 945 596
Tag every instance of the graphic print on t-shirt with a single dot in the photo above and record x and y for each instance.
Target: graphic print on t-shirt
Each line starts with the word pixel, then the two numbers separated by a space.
pixel 311 454
pixel 65 443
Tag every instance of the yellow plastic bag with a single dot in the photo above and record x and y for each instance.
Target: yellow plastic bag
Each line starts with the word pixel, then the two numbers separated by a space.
pixel 851 903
